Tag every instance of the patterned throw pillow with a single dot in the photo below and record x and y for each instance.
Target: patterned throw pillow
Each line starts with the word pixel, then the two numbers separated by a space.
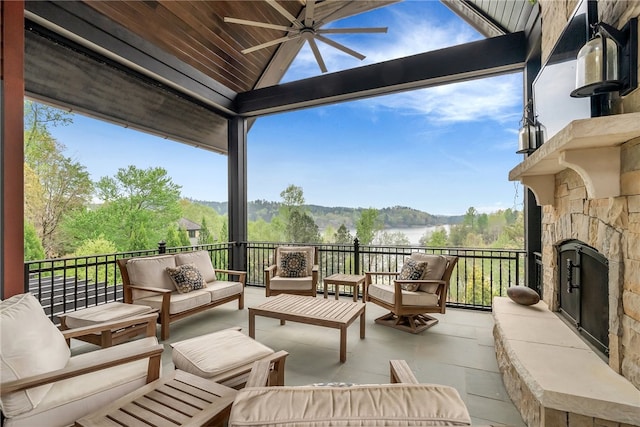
pixel 293 264
pixel 412 270
pixel 185 277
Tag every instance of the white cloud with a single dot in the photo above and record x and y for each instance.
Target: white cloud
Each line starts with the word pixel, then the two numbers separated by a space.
pixel 492 98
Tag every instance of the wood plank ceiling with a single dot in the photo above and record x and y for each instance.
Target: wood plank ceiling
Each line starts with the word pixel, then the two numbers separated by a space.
pixel 184 50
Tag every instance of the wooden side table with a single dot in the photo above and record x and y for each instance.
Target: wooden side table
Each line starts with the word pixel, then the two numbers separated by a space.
pixel 353 280
pixel 180 399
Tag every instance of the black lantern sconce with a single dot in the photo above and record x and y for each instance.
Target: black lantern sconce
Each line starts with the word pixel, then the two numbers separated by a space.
pixel 609 61
pixel 532 133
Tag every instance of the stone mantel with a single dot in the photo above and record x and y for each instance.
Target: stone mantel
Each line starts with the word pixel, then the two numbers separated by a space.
pixel 591 147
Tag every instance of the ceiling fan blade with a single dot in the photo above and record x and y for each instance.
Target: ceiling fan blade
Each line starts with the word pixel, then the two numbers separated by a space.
pixel 271 43
pixel 352 30
pixel 308 12
pixel 340 47
pixel 274 4
pixel 316 53
pixel 257 24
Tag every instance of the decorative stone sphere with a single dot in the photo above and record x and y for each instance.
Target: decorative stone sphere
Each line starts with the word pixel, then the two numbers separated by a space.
pixel 523 295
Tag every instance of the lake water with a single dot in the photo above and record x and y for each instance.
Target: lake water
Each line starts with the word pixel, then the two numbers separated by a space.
pixel 413 233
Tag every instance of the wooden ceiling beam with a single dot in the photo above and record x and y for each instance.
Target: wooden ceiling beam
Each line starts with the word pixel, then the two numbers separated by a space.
pixel 483 58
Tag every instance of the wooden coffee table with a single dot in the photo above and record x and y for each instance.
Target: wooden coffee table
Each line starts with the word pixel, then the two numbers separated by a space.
pixel 179 399
pixel 312 311
pixel 353 280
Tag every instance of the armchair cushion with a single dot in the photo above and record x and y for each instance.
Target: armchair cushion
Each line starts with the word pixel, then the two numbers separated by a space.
pixel 201 260
pixel 437 264
pixel 308 250
pixel 185 277
pixel 291 283
pixel 412 270
pixel 293 264
pixel 150 272
pixel 386 293
pixel 31 345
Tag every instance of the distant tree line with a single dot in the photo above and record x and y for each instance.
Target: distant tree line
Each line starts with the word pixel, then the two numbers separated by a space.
pixel 68 214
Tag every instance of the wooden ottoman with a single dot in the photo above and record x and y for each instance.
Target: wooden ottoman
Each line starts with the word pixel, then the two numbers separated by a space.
pixel 110 312
pixel 226 357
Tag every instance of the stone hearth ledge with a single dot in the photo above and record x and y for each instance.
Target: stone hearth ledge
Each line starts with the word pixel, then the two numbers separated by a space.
pixel 558 367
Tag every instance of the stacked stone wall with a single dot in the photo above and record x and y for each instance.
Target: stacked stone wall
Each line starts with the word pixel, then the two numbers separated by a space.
pixel 612 226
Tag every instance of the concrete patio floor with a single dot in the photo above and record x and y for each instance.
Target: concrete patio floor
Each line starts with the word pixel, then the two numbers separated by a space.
pixel 458 351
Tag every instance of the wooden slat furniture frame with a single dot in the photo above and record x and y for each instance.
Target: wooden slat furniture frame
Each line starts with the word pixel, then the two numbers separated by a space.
pixel 320 312
pixel 178 399
pixel 340 279
pixel 166 318
pixel 272 271
pixel 412 318
pixel 122 330
pixel 101 360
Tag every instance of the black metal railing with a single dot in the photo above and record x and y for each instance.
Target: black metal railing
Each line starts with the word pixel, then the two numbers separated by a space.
pixel 69 284
pixel 479 275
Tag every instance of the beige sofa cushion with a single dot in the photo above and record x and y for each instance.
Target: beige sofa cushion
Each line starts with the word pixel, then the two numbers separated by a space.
pixel 387 293
pixel 76 397
pixel 362 405
pixel 437 264
pixel 222 289
pixel 212 354
pixel 308 250
pixel 179 302
pixel 201 260
pixel 150 271
pixel 31 345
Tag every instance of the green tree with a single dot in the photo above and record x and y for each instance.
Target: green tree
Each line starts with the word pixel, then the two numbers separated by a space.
pixel 184 237
pixel 33 249
pixel 367 226
pixel 224 231
pixel 343 235
pixel 92 270
pixel 386 238
pixel 302 228
pixel 205 237
pixel 173 238
pixel 55 185
pixel 146 200
pixel 437 239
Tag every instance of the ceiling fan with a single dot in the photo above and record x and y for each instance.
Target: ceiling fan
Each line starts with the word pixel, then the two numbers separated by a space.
pixel 309 30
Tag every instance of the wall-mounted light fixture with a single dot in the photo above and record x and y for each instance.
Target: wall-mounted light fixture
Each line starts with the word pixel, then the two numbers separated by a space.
pixel 532 133
pixel 609 61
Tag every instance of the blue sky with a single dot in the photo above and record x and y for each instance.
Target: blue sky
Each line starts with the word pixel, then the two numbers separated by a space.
pixel 440 150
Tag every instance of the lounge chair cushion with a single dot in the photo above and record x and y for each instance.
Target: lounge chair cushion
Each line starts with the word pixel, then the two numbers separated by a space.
pixel 104 313
pixel 31 345
pixel 150 272
pixel 437 264
pixel 201 260
pixel 386 293
pixel 185 277
pixel 71 399
pixel 212 354
pixel 362 405
pixel 291 283
pixel 284 250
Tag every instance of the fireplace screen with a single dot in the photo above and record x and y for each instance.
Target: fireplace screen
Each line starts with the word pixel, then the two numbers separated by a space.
pixel 584 291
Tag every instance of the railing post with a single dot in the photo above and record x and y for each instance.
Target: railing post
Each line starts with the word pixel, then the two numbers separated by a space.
pixel 162 247
pixel 356 255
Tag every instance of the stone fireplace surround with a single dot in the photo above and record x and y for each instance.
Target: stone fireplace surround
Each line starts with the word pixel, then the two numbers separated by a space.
pixel 587 177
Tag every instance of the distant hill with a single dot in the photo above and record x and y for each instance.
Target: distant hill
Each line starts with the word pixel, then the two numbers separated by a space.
pixel 393 217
